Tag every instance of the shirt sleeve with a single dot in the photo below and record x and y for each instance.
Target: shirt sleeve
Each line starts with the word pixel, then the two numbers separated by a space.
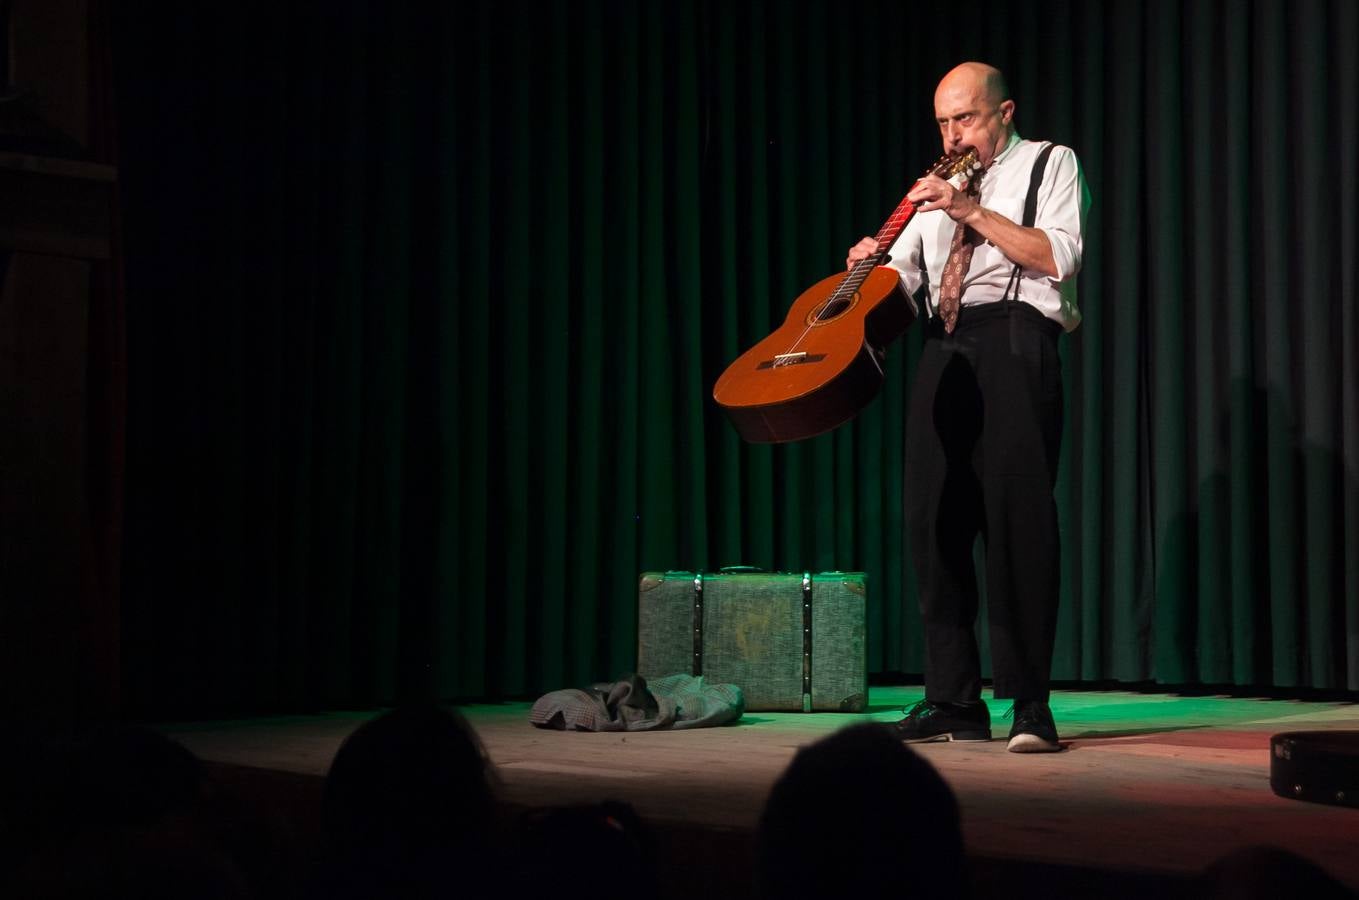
pixel 1063 203
pixel 908 258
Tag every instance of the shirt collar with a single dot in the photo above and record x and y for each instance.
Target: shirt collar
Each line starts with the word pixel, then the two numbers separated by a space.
pixel 1015 141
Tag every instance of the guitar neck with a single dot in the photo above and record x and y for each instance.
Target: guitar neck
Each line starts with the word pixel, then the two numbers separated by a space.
pixel 886 236
pixel 964 166
pixel 895 224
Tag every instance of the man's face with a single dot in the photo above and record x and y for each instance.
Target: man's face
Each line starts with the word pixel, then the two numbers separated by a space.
pixel 967 117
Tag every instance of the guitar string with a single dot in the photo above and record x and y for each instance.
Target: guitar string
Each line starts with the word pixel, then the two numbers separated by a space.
pixel 861 270
pixel 867 265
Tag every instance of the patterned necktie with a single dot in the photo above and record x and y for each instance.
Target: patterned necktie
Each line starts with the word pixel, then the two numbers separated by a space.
pixel 959 259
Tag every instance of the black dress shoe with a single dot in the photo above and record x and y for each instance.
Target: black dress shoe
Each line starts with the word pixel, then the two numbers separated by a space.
pixel 931 721
pixel 1033 730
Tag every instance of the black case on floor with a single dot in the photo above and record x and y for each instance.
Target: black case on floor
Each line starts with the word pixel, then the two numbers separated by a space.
pixel 1319 766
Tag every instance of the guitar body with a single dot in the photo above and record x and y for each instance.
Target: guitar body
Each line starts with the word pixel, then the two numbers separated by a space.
pixel 773 395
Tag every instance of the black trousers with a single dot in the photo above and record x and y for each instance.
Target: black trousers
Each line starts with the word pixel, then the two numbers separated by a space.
pixel 984 428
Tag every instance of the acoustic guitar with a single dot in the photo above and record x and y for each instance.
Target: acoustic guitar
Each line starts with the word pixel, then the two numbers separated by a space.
pixel 824 363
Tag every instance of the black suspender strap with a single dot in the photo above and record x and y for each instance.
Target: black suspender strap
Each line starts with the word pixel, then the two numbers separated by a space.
pixel 1036 179
pixel 1030 213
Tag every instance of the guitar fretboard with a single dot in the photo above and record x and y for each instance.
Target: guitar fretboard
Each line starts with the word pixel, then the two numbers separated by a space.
pixel 892 228
pixel 854 279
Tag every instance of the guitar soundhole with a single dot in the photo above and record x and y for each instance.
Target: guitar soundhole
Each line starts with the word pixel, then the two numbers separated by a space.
pixel 833 309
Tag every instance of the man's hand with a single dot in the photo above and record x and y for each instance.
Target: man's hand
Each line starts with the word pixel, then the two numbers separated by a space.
pixel 933 192
pixel 1029 247
pixel 862 250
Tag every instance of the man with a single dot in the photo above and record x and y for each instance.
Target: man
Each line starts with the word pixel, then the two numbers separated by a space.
pixel 985 415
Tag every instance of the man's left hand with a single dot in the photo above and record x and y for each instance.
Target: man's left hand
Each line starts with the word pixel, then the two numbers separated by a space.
pixel 933 192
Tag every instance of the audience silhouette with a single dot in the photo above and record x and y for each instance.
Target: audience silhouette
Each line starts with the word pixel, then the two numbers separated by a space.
pixel 407 810
pixel 860 814
pixel 128 812
pixel 580 852
pixel 1264 873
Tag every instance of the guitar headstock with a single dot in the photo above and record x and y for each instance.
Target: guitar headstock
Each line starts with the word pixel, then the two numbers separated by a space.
pixel 948 167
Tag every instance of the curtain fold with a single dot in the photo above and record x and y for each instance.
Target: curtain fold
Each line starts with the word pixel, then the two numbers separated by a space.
pixel 424 309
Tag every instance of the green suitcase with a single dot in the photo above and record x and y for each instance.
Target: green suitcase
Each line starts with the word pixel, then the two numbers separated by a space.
pixel 792 642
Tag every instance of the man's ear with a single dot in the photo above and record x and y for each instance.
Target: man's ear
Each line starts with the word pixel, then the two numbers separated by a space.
pixel 1007 111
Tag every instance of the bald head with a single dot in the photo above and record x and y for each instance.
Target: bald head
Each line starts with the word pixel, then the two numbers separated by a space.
pixel 973 108
pixel 978 79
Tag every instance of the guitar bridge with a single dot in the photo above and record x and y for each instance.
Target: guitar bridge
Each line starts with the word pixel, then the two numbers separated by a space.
pixel 791 359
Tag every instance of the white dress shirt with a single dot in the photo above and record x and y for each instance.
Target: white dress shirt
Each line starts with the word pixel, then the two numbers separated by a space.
pixel 921 250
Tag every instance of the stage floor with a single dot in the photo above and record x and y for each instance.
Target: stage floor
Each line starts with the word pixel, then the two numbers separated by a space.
pixel 1148 783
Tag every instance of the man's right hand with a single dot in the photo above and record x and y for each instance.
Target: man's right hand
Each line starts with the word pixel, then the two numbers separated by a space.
pixel 862 250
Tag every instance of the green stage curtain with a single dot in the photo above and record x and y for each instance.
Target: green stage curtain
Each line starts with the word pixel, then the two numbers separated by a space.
pixel 425 305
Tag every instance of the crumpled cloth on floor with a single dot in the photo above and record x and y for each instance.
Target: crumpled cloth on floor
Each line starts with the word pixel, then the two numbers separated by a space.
pixel 630 704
